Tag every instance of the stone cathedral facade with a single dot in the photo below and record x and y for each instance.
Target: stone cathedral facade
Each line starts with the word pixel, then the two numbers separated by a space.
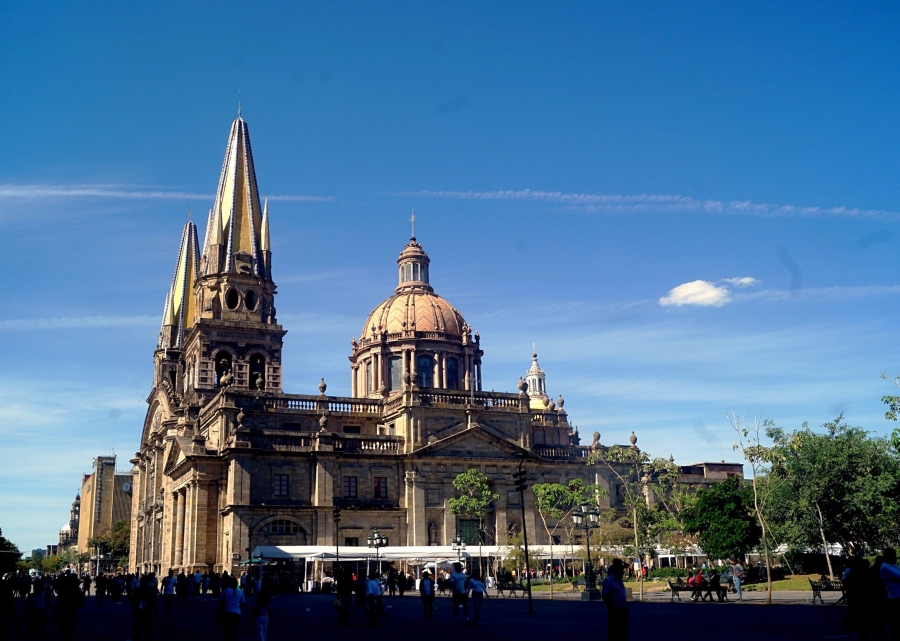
pixel 229 461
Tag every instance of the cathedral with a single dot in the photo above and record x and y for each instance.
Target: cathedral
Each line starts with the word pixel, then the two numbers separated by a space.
pixel 228 461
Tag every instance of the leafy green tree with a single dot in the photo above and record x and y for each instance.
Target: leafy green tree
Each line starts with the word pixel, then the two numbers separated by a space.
pixel 842 486
pixel 634 469
pixel 721 516
pixel 556 502
pixel 115 541
pixel 474 501
pixel 514 561
pixel 9 555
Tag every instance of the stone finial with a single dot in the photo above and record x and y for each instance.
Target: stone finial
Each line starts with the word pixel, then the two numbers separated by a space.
pixel 322 386
pixel 353 343
pixel 240 418
pixel 260 383
pixel 522 385
pixel 671 459
pixel 477 336
pixel 552 405
pixel 560 401
pixel 596 442
pixel 323 424
pixel 633 440
pixel 546 400
pixel 406 378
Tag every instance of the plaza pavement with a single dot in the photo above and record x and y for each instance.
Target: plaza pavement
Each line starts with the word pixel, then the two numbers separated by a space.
pixel 302 617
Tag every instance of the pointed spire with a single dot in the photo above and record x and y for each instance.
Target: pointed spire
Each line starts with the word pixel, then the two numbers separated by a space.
pixel 180 310
pixel 234 237
pixel 264 245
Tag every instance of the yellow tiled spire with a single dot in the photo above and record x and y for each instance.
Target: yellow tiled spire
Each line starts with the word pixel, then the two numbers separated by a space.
pixel 181 307
pixel 233 241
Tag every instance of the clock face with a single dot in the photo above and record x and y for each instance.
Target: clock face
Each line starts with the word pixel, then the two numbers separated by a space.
pixel 126 487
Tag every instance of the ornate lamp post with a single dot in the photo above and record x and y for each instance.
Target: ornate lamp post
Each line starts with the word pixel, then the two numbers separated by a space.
pixel 586 519
pixel 459 546
pixel 377 541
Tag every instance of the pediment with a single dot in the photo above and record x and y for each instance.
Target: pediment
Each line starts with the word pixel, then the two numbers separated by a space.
pixel 479 440
pixel 182 449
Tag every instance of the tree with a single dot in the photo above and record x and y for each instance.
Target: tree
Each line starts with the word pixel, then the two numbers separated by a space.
pixel 9 555
pixel 760 459
pixel 633 468
pixel 842 486
pixel 514 561
pixel 722 517
pixel 556 502
pixel 115 541
pixel 474 501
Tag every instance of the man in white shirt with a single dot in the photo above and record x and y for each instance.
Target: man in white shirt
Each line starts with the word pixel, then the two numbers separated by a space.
pixel 373 599
pixel 458 581
pixel 890 574
pixel 168 593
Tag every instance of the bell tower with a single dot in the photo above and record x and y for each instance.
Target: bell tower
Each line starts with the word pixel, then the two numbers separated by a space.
pixel 236 340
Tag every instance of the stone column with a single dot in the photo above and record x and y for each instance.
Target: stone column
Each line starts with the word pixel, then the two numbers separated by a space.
pixel 443 370
pixel 354 378
pixel 478 375
pixel 436 383
pixel 179 527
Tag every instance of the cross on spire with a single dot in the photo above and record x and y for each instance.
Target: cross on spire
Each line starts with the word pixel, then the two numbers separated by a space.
pixel 412 222
pixel 239 103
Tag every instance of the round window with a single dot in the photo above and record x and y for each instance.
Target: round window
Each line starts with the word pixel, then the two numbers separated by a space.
pixel 232 299
pixel 251 299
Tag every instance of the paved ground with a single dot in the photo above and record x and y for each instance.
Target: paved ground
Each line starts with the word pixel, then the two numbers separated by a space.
pixel 311 617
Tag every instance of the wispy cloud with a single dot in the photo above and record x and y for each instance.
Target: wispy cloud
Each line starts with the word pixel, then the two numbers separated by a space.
pixel 652 203
pixel 126 192
pixel 76 322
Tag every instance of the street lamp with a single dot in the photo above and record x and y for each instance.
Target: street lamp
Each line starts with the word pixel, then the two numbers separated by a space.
pixel 586 518
pixel 377 541
pixel 458 545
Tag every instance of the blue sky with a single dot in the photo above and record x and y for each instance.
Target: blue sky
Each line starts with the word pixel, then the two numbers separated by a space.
pixel 689 207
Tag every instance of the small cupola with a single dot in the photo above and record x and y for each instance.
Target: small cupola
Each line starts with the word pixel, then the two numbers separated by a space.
pixel 413 267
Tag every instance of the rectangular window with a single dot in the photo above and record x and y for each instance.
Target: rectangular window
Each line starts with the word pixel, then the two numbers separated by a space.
pixel 370 383
pixel 351 429
pixel 452 373
pixel 395 370
pixel 282 485
pixel 425 371
pixel 351 541
pixel 468 529
pixel 350 485
pixel 381 490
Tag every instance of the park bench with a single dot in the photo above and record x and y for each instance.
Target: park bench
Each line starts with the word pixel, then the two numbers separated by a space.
pixel 680 586
pixel 511 587
pixel 826 585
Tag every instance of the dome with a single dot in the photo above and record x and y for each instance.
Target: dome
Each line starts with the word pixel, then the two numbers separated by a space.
pixel 416 310
pixel 414 307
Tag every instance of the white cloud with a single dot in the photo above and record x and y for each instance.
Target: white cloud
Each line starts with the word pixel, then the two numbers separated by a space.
pixel 743 281
pixel 697 292
pixel 652 203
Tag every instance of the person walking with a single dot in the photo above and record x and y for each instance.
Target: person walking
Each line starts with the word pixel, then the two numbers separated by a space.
pixel 737 575
pixel 69 596
pixel 35 612
pixel 426 591
pixel 890 574
pixel 878 609
pixel 143 604
pixel 168 593
pixel 230 605
pixel 261 612
pixel 477 591
pixel 344 592
pixel 616 600
pixel 458 580
pixel 374 601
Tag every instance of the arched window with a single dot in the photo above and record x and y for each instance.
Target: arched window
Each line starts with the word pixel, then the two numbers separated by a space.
pixel 257 372
pixel 282 526
pixel 223 366
pixel 395 369
pixel 424 371
pixel 369 378
pixel 452 373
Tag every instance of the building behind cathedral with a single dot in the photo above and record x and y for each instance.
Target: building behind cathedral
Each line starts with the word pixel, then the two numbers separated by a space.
pixel 228 461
